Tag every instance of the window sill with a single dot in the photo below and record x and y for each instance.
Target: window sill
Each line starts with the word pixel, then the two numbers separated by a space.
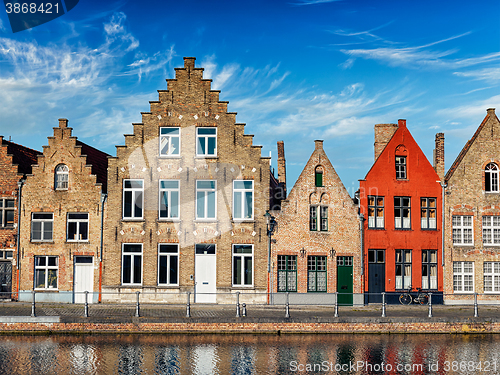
pixel 83 241
pixel 205 220
pixel 371 228
pixel 133 220
pixel 167 286
pixel 170 156
pixel 237 221
pixel 404 229
pixel 491 192
pixel 206 157
pixel 48 241
pixel 463 245
pixel 429 229
pixel 168 220
pixel 491 245
pixel 246 287
pixel 46 290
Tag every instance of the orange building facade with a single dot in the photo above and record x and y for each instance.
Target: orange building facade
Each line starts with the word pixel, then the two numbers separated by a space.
pixel 400 200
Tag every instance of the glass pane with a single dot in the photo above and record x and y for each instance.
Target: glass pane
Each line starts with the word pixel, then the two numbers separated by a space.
pixel 78 216
pixel 138 205
pixel 52 261
pixel 164 204
pixel 380 256
pixel 137 269
pixel 162 271
pixel 171 131
pixel 248 205
pixel 237 270
pixel 211 204
pixel 209 131
pixel 169 184
pixel 136 184
pixel 127 204
pixel 47 230
pixel 132 248
pixel 211 146
pixel 52 278
pixel 311 281
pixel 248 270
pixel 40 261
pixel 200 148
pixel 127 269
pixel 84 231
pixel 173 269
pixel 168 248
pixel 174 205
pixel 242 249
pixel 40 279
pixel 205 184
pixel 72 231
pixel 9 217
pixel 237 205
pixel 174 146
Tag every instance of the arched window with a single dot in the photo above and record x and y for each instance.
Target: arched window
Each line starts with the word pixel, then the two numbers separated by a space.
pixel 61 177
pixel 491 178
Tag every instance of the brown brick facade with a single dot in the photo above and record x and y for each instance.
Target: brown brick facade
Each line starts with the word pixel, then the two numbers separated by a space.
pixel 467 198
pixel 61 219
pixel 164 149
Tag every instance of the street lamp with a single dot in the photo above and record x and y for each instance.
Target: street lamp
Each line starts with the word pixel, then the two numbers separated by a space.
pixel 271 225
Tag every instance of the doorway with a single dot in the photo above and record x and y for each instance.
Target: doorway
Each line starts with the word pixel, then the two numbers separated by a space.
pixel 83 279
pixel 344 280
pixel 205 274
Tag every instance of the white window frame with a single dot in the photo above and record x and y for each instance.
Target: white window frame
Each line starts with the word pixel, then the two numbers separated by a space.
pixel 427 222
pixel 167 140
pixel 132 255
pixel 491 272
pixel 400 162
pixel 375 221
pixel 318 218
pixel 491 175
pixel 243 271
pixel 430 282
pixel 206 192
pixel 402 222
pixel 78 221
pixel 46 268
pixel 43 223
pixel 134 191
pixel 168 192
pixel 461 228
pixel 4 210
pixel 403 281
pixel 491 230
pixel 204 138
pixel 241 192
pixel 462 272
pixel 164 253
pixel 61 177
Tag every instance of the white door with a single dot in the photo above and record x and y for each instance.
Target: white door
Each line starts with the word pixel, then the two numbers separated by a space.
pixel 205 274
pixel 84 278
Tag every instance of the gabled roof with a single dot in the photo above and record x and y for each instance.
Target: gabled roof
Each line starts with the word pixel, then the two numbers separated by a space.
pixel 461 155
pixel 99 162
pixel 23 156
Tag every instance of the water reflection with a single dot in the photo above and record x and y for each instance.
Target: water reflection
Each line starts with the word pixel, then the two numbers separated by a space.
pixel 250 354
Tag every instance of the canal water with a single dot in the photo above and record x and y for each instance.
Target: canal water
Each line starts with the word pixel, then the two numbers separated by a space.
pixel 250 354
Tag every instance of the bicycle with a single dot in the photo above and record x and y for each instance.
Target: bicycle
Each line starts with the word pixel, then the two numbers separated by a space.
pixel 406 298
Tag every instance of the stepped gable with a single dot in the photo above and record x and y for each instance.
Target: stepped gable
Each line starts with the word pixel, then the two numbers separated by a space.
pixel 22 156
pixel 98 161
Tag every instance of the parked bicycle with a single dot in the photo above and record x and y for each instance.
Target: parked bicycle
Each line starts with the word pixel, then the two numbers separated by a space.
pixel 407 298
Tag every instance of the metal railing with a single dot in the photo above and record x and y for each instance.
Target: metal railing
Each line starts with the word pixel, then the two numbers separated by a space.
pixel 161 304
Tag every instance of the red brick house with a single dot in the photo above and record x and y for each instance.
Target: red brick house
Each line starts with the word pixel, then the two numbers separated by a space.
pixel 317 247
pixel 400 199
pixel 15 164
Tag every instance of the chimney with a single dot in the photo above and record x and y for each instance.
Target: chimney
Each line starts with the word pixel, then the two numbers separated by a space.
pixel 491 111
pixel 318 144
pixel 63 123
pixel 282 166
pixel 383 134
pixel 439 156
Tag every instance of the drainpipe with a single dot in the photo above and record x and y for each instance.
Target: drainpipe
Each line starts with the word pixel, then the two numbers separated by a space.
pixel 443 187
pixel 18 239
pixel 103 200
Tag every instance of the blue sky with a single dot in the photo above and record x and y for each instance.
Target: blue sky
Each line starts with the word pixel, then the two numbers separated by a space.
pixel 295 70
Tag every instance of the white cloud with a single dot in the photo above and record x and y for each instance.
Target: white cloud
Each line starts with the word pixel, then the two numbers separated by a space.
pixel 486 74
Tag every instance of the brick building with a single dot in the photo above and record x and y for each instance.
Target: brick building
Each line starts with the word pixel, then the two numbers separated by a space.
pixel 15 164
pixel 400 199
pixel 187 195
pixel 317 241
pixel 472 217
pixel 61 220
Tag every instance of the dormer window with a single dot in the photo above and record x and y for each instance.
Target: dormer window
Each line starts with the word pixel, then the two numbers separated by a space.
pixel 61 177
pixel 401 167
pixel 491 178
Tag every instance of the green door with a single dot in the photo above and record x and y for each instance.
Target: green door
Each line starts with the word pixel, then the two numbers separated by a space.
pixel 344 280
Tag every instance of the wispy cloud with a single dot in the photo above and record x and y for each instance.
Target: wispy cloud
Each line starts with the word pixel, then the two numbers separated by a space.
pixel 486 74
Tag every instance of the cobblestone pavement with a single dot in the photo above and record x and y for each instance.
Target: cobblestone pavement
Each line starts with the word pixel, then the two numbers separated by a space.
pixel 199 312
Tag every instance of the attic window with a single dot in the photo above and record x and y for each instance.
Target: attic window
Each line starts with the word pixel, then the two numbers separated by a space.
pixel 61 177
pixel 401 167
pixel 491 178
pixel 318 176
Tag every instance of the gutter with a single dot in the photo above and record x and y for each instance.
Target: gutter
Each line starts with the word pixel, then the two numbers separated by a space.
pixel 18 239
pixel 104 196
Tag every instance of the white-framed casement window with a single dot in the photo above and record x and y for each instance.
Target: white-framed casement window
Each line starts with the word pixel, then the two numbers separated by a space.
pixel 462 230
pixel 206 201
pixel 403 269
pixel 7 207
pixel 42 224
pixel 133 199
pixel 61 177
pixel 491 277
pixel 77 227
pixel 318 218
pixel 169 199
pixel 132 264
pixel 429 269
pixel 428 212
pixel 375 212
pixel 491 178
pixel 206 141
pixel 242 265
pixel 46 272
pixel 170 141
pixel 242 199
pixel 491 230
pixel 168 264
pixel 463 277
pixel 401 167
pixel 402 213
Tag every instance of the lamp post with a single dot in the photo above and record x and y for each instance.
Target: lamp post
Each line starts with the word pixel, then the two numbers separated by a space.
pixel 271 224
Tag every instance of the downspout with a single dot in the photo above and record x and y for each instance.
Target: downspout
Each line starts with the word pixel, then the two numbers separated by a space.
pixel 18 239
pixel 443 186
pixel 103 200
